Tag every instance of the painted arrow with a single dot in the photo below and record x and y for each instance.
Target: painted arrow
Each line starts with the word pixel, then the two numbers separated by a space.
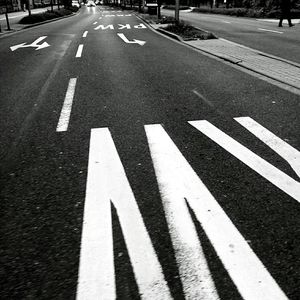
pixel 124 38
pixel 34 44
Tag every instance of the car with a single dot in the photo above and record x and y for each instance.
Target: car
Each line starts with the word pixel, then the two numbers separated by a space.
pixel 75 3
pixel 91 3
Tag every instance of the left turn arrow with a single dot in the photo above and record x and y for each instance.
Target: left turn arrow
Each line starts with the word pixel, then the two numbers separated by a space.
pixel 34 44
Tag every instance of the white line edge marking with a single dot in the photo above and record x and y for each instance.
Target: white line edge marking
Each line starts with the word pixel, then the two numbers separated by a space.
pixel 282 148
pixel 79 50
pixel 95 23
pixel 256 163
pixel 85 34
pixel 177 180
pixel 275 31
pixel 107 183
pixel 67 107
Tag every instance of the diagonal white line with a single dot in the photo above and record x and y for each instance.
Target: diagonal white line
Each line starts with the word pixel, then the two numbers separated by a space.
pixel 286 151
pixel 177 182
pixel 193 269
pixel 259 165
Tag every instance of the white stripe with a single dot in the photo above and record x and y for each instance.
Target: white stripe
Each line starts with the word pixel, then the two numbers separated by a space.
pixel 85 34
pixel 275 31
pixel 79 50
pixel 65 113
pixel 177 180
pixel 193 269
pixel 286 151
pixel 107 182
pixel 259 165
pixel 95 23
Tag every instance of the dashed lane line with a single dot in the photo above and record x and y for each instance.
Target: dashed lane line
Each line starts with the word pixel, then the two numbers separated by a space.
pixel 63 122
pixel 79 50
pixel 85 34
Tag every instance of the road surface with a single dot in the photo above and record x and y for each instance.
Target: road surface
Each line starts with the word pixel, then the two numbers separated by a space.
pixel 135 167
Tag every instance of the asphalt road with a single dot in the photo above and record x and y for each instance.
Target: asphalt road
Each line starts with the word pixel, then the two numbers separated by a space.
pixel 259 34
pixel 171 211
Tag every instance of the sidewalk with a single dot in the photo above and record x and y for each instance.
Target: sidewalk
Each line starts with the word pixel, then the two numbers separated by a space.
pixel 15 17
pixel 271 66
pixel 276 68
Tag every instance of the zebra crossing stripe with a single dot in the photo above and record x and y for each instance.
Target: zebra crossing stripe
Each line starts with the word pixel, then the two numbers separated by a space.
pixel 179 183
pixel 286 151
pixel 259 165
pixel 106 183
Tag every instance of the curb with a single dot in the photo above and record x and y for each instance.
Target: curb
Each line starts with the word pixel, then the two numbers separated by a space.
pixel 13 31
pixel 263 53
pixel 170 34
pixel 232 61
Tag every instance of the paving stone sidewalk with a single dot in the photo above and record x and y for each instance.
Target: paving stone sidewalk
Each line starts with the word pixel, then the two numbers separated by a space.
pixel 271 66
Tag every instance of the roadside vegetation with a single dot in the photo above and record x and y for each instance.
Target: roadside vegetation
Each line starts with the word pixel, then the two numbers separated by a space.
pixel 188 32
pixel 48 15
pixel 182 29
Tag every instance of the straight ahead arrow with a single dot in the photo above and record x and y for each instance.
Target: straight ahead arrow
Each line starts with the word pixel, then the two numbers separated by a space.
pixel 124 38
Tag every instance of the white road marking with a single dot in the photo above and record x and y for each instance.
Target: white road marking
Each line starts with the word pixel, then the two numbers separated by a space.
pixel 178 182
pixel 63 122
pixel 259 165
pixel 227 22
pixel 85 34
pixel 95 23
pixel 275 31
pixel 33 44
pixel 134 41
pixel 286 151
pixel 193 269
pixel 79 50
pixel 103 27
pixel 107 183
